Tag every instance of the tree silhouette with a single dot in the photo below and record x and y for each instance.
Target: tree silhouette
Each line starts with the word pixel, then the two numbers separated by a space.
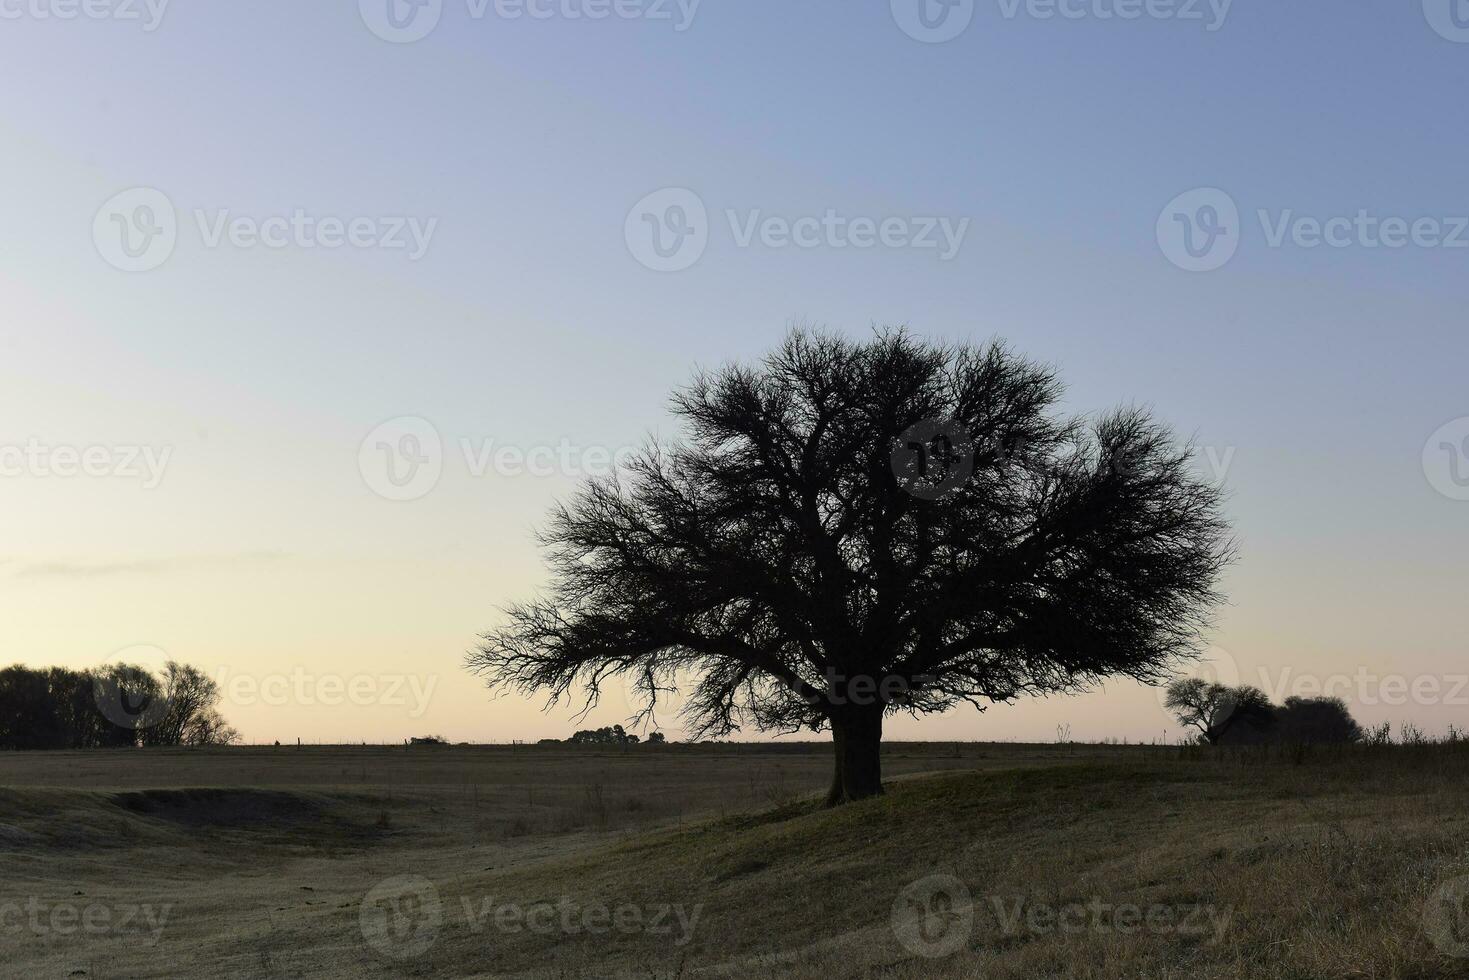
pixel 1320 719
pixel 1216 709
pixel 851 529
pixel 118 705
pixel 613 735
pixel 187 694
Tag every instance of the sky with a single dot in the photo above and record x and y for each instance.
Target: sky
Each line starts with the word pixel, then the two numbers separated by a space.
pixel 309 311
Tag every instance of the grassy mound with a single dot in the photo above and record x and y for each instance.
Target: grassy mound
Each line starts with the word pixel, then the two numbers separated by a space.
pixel 1098 871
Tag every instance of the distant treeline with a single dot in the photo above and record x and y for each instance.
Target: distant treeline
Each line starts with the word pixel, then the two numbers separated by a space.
pixel 121 705
pixel 613 735
pixel 1243 715
pixel 1299 721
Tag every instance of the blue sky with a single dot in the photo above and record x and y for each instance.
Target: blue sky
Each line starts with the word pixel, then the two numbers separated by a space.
pixel 530 322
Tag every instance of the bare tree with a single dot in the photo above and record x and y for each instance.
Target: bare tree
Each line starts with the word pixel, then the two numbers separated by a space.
pixel 208 727
pixel 1215 709
pixel 189 694
pixel 852 529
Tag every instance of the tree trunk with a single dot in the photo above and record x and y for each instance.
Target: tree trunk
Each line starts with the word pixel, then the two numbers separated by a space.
pixel 857 738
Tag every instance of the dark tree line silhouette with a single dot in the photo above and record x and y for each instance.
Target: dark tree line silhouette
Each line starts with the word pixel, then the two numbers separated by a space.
pixel 121 705
pixel 1301 721
pixel 1243 715
pixel 607 735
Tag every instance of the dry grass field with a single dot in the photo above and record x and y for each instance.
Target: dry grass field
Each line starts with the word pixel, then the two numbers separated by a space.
pixel 981 860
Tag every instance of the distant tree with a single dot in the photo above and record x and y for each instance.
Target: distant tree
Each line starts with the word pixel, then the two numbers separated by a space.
pixel 853 529
pixel 656 738
pixel 1316 720
pixel 614 735
pixel 1215 709
pixel 189 695
pixel 208 727
pixel 1244 716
